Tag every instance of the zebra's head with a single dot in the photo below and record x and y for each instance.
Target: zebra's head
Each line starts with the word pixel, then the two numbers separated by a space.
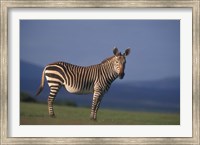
pixel 120 61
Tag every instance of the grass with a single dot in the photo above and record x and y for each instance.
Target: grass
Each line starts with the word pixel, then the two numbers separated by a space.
pixel 37 114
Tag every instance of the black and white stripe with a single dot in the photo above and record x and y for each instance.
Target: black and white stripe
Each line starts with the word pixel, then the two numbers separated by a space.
pixel 94 79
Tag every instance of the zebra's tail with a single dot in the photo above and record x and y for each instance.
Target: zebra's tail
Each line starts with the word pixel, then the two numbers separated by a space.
pixel 41 83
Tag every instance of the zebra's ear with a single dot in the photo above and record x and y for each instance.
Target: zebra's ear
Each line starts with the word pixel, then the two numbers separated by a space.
pixel 127 51
pixel 115 51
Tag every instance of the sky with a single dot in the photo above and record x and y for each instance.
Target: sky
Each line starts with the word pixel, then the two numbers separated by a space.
pixel 155 44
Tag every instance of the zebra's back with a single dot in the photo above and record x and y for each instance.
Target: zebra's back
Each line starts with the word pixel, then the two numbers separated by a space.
pixel 76 79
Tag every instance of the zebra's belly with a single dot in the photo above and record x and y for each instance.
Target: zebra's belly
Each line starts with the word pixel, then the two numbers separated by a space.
pixel 78 91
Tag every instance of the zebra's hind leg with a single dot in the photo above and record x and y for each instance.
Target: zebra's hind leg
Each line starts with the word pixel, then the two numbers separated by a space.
pixel 51 98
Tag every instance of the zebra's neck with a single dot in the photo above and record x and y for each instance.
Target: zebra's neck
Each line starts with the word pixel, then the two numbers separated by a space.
pixel 108 72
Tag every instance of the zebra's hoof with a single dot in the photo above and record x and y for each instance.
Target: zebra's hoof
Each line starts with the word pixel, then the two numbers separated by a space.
pixel 53 116
pixel 93 119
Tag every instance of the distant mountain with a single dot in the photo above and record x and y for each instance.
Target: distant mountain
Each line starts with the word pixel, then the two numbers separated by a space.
pixel 159 95
pixel 165 83
pixel 30 76
pixel 28 69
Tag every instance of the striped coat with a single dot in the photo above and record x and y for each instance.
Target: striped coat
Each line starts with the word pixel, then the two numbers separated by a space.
pixel 95 79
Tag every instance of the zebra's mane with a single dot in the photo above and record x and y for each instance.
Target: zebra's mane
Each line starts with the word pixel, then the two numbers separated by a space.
pixel 107 59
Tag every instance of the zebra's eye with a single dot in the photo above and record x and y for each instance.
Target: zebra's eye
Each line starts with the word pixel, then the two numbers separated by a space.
pixel 116 61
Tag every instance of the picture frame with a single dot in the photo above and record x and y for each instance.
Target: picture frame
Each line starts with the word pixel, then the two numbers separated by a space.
pixel 6 5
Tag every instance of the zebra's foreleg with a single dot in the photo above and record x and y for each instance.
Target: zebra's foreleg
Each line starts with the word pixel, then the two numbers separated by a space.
pixel 95 105
pixel 51 98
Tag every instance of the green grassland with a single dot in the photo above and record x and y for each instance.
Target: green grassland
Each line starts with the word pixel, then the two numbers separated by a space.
pixel 37 114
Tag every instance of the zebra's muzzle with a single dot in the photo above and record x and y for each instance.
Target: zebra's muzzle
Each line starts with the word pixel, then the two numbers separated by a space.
pixel 121 76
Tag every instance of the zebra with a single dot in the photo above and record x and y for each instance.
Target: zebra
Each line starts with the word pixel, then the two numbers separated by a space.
pixel 94 79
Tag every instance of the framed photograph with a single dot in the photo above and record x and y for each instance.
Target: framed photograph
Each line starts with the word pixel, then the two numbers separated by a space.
pixel 134 63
